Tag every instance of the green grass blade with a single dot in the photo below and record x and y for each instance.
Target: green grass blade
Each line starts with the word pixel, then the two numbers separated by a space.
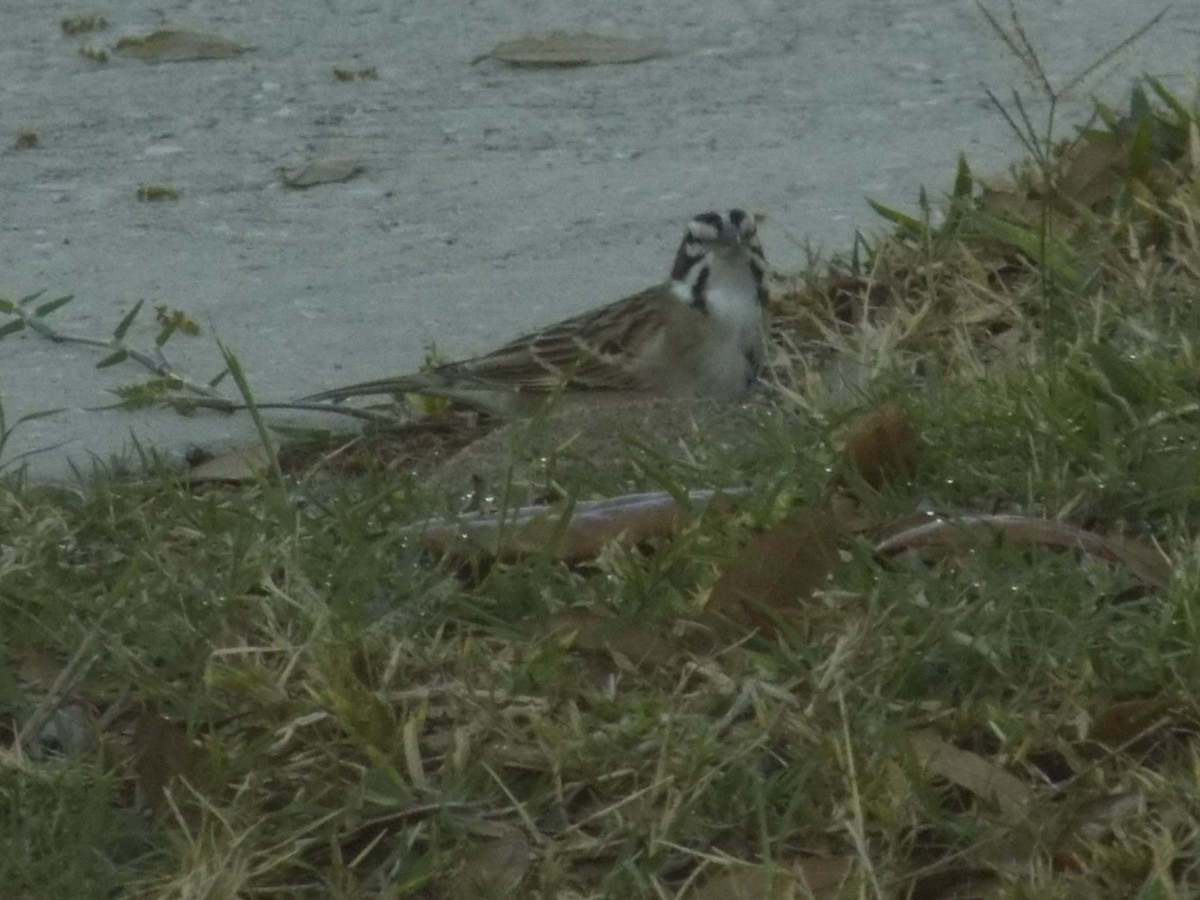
pixel 1177 106
pixel 1141 156
pixel 1107 115
pixel 960 198
pixel 51 305
pixel 234 366
pixel 123 327
pixel 910 226
pixel 1059 259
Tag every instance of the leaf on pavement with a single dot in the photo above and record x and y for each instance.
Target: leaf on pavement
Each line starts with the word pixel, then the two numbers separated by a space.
pixel 168 45
pixel 560 49
pixel 322 171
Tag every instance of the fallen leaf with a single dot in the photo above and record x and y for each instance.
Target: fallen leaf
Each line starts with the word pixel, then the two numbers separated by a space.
pixel 957 883
pixel 882 444
pixel 637 641
pixel 970 771
pixel 560 48
pixel 161 753
pixel 168 45
pixel 1129 726
pixel 958 531
pixel 805 878
pixel 38 670
pixel 239 465
pixel 322 171
pixel 26 140
pixel 778 570
pixel 1094 171
pixel 1005 200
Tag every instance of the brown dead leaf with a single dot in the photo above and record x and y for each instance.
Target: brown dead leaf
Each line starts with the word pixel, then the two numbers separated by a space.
pixel 1094 171
pixel 161 754
pixel 321 171
pixel 848 512
pixel 805 878
pixel 1130 725
pixel 26 140
pixel 1145 561
pixel 778 570
pixel 168 45
pixel 985 780
pixel 882 444
pixel 38 670
pixel 1005 200
pixel 958 883
pixel 560 48
pixel 636 641
pixel 243 464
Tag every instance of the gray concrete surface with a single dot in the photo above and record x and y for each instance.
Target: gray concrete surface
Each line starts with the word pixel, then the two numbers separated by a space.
pixel 495 199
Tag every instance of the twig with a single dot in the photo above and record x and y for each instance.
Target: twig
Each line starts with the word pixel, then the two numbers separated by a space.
pixel 157 363
pixel 205 396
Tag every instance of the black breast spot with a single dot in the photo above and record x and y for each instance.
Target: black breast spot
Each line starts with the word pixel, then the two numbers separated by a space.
pixel 700 291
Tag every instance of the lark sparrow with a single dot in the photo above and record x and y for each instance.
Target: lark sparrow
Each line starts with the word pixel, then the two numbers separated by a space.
pixel 699 334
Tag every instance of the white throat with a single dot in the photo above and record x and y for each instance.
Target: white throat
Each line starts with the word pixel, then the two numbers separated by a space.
pixel 731 293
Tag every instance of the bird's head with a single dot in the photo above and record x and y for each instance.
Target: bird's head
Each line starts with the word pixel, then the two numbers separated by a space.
pixel 727 238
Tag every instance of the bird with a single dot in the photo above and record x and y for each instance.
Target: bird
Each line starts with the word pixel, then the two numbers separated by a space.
pixel 701 334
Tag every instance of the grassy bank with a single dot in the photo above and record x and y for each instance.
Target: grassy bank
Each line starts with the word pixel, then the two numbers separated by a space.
pixel 275 688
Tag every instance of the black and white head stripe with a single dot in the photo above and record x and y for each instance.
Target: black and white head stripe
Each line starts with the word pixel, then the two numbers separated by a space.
pixel 708 233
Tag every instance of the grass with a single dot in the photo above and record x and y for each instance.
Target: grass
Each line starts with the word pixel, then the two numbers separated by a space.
pixel 271 690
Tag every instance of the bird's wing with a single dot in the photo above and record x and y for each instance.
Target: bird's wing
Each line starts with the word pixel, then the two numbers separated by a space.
pixel 595 351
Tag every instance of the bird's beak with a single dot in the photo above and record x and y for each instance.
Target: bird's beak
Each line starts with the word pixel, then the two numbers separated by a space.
pixel 732 237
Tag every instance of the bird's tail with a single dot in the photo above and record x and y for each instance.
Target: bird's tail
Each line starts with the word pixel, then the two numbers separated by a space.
pixel 396 386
